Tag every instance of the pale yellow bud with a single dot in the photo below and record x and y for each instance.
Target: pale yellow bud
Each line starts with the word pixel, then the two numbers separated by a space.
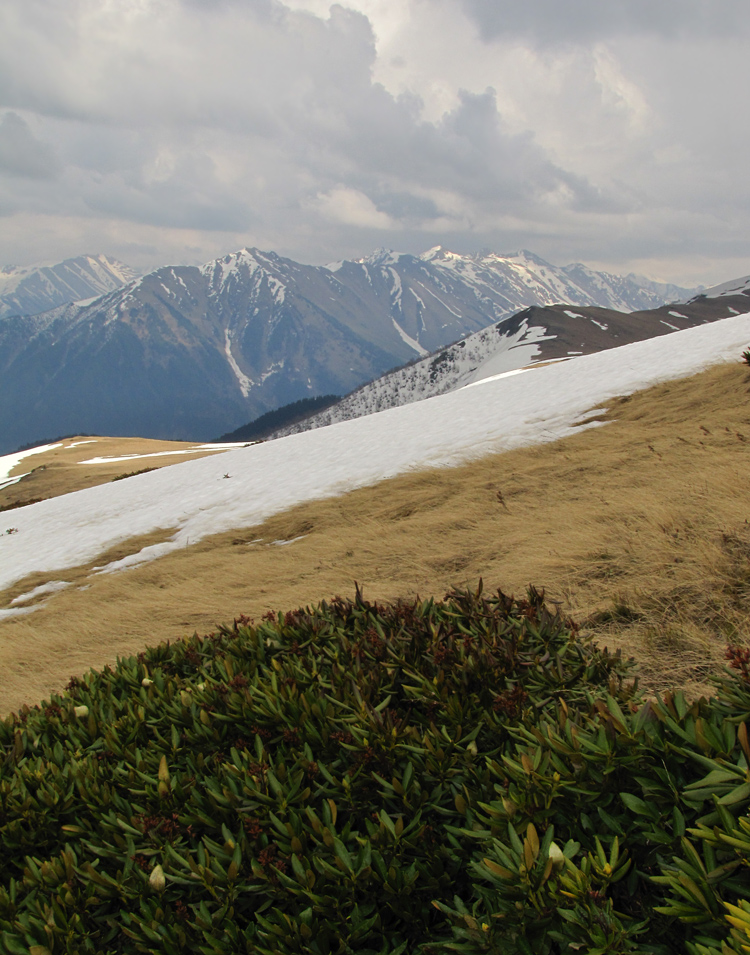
pixel 81 711
pixel 556 856
pixel 156 879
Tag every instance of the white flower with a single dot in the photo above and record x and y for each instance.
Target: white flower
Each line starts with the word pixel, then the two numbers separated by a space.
pixel 81 710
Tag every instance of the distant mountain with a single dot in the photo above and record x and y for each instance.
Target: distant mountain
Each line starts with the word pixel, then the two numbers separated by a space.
pixel 523 278
pixel 739 286
pixel 530 337
pixel 31 289
pixel 191 352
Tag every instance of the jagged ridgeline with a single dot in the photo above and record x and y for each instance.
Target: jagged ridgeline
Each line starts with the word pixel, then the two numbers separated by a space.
pixel 459 776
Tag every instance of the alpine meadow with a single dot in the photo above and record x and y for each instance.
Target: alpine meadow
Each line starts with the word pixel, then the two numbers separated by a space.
pixel 374 477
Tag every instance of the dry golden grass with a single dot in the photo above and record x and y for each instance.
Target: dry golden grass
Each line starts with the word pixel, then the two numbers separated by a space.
pixel 639 528
pixel 62 470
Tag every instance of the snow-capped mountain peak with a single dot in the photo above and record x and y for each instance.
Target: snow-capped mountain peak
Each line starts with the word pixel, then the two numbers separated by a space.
pixel 32 289
pixel 194 352
pixel 440 254
pixel 383 257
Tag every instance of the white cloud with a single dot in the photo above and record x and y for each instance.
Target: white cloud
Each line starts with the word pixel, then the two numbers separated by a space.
pixel 351 207
pixel 618 92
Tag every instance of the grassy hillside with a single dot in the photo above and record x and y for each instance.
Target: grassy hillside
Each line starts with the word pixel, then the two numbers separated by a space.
pixel 64 469
pixel 638 527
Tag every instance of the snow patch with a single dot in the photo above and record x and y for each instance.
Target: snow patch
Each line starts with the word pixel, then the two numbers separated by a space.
pixel 444 304
pixel 283 543
pixel 199 448
pixel 244 382
pixel 411 342
pixel 17 611
pixel 504 374
pixel 6 482
pixel 519 350
pixel 9 461
pixel 49 588
pixel 273 369
pixel 278 289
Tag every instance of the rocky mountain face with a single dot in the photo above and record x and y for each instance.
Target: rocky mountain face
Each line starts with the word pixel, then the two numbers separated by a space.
pixel 523 279
pixel 532 336
pixel 192 352
pixel 31 289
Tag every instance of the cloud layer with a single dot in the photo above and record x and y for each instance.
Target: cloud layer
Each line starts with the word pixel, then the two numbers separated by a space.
pixel 176 130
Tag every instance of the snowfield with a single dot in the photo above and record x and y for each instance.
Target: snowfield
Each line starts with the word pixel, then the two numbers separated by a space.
pixel 246 485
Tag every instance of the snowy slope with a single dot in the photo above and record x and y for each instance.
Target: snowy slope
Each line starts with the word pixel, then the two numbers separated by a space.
pixel 488 352
pixel 499 413
pixel 532 336
pixel 31 289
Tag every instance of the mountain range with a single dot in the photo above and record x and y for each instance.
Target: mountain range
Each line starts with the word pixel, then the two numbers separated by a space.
pixel 194 351
pixel 533 336
pixel 31 289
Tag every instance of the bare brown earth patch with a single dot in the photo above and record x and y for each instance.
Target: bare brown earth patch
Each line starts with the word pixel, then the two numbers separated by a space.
pixel 62 470
pixel 639 528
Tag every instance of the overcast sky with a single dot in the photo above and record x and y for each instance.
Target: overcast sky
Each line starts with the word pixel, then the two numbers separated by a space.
pixel 612 132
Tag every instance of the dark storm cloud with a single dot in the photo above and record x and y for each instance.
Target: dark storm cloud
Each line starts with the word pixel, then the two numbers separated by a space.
pixel 581 21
